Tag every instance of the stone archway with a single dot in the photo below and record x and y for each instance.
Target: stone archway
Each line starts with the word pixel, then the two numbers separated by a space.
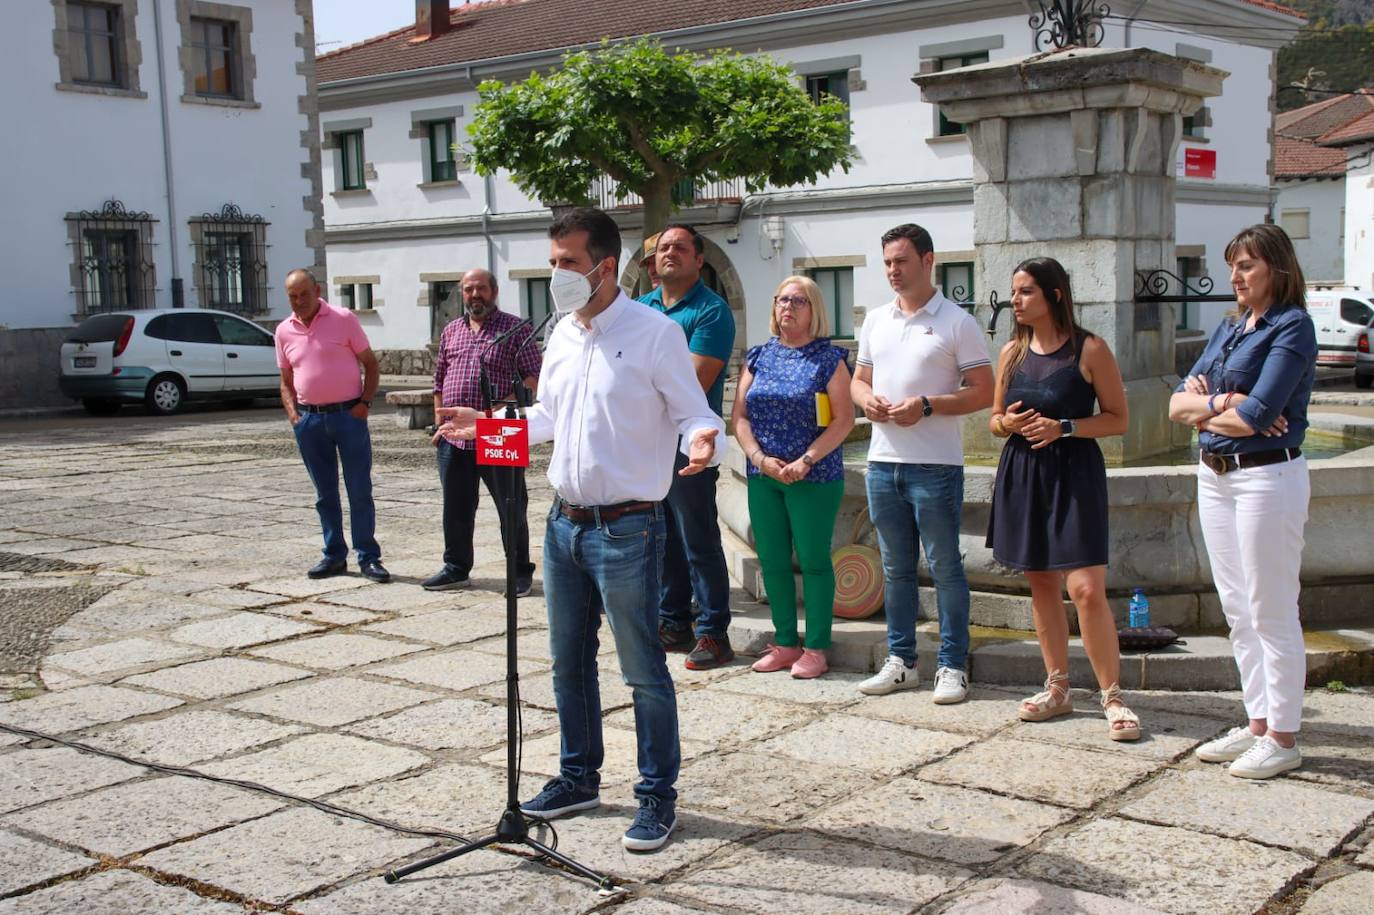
pixel 723 278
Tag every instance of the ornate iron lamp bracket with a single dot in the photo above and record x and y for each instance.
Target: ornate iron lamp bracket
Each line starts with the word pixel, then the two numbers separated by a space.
pixel 1069 23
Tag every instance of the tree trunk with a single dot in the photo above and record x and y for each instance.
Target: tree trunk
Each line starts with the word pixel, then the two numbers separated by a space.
pixel 658 206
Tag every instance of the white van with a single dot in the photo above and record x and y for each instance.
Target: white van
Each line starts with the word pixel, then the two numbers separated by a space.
pixel 1339 313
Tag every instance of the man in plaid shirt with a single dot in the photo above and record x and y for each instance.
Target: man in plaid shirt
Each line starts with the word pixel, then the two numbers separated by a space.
pixel 466 344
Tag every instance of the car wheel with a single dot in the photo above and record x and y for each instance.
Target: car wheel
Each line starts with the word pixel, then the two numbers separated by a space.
pixel 1364 381
pixel 100 406
pixel 165 395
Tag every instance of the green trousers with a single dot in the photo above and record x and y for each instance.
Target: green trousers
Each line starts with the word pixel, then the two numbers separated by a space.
pixel 800 516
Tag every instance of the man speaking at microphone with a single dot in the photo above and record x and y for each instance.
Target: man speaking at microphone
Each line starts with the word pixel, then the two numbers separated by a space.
pixel 482 335
pixel 617 389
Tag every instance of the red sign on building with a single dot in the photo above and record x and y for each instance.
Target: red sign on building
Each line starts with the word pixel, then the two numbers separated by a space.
pixel 503 442
pixel 1199 162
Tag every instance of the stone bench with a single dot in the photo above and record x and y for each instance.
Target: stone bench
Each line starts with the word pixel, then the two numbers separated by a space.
pixel 414 409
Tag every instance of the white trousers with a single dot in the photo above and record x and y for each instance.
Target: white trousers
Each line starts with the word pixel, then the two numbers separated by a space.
pixel 1252 523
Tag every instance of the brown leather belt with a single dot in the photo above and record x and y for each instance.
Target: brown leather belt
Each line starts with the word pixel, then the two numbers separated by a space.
pixel 1223 463
pixel 585 513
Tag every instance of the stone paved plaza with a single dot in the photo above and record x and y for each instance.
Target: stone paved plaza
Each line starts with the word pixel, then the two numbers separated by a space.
pixel 153 603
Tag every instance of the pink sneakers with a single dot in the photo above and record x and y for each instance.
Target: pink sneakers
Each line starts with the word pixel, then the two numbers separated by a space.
pixel 810 665
pixel 777 658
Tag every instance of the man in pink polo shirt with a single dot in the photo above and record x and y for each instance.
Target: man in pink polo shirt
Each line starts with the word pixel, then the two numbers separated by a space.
pixel 319 349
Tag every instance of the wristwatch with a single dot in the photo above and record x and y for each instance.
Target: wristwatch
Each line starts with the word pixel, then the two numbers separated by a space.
pixel 366 403
pixel 926 408
pixel 807 460
pixel 1067 427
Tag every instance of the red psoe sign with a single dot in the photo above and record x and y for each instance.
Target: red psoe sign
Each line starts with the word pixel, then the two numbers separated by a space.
pixel 1199 162
pixel 503 442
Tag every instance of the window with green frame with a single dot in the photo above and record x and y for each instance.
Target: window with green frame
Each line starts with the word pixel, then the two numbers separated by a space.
pixel 441 164
pixel 351 160
pixel 822 84
pixel 355 296
pixel 684 193
pixel 950 128
pixel 837 285
pixel 955 280
pixel 538 301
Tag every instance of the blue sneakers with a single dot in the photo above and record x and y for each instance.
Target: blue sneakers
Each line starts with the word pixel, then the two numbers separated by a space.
pixel 560 797
pixel 652 825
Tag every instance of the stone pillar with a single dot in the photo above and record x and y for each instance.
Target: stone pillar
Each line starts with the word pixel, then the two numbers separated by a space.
pixel 1073 158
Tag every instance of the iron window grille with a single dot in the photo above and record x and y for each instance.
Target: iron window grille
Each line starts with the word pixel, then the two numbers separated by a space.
pixel 113 258
pixel 955 280
pixel 950 128
pixel 351 160
pixel 214 45
pixel 441 164
pixel 231 251
pixel 93 42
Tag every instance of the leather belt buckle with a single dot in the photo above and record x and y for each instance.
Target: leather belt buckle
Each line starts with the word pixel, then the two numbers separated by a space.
pixel 1217 462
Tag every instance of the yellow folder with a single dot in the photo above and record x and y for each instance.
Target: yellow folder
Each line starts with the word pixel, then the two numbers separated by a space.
pixel 822 409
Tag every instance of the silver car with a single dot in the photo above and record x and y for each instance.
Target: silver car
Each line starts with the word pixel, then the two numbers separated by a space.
pixel 1364 358
pixel 164 357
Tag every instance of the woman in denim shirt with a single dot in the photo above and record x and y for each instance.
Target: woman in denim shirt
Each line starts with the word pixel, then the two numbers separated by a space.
pixel 1247 395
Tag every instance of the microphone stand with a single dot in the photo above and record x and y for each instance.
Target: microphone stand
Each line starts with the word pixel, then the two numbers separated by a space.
pixel 513 828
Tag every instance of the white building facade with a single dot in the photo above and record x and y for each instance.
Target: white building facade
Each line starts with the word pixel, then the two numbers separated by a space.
pixel 1357 142
pixel 402 225
pixel 168 155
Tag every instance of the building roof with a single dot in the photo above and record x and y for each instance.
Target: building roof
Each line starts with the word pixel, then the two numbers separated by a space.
pixel 1303 146
pixel 500 28
pixel 1361 131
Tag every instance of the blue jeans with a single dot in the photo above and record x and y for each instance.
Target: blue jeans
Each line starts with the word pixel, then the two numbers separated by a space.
pixel 327 440
pixel 613 566
pixel 693 560
pixel 911 502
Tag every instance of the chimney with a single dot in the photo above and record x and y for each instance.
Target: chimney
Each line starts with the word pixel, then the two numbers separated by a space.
pixel 431 19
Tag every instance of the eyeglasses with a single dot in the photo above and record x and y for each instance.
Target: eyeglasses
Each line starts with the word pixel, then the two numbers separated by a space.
pixel 794 302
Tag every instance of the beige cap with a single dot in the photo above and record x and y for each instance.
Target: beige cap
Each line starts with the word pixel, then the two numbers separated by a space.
pixel 650 247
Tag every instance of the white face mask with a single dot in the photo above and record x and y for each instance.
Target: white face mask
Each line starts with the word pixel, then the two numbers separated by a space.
pixel 571 290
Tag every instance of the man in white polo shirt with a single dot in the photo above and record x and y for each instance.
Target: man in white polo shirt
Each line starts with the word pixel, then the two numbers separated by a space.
pixel 922 364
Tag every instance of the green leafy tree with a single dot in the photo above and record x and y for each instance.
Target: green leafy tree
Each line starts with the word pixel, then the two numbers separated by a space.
pixel 650 119
pixel 1333 53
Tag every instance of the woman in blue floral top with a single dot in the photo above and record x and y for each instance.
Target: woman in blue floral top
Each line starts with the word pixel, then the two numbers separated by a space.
pixel 796 471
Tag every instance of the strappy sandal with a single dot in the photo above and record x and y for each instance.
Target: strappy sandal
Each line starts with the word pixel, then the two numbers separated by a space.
pixel 1121 713
pixel 1045 705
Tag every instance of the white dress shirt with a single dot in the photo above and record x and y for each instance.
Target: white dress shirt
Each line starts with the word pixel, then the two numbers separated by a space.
pixel 614 398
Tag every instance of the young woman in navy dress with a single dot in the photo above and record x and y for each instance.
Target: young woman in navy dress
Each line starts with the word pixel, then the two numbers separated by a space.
pixel 1058 390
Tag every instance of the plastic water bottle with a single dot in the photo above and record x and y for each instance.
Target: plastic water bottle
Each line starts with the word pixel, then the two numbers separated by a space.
pixel 1140 610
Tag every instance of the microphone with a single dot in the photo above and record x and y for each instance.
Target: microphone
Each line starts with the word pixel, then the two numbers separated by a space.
pixel 524 322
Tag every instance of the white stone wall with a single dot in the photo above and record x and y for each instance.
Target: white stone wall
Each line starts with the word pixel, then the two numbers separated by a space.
pixel 1322 253
pixel 68 151
pixel 1359 217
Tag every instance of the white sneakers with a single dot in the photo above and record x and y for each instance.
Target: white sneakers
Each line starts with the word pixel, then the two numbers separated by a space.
pixel 895 675
pixel 951 686
pixel 1227 747
pixel 1250 756
pixel 1265 759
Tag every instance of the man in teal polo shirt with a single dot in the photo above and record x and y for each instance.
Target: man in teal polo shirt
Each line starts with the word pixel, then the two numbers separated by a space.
pixel 693 561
